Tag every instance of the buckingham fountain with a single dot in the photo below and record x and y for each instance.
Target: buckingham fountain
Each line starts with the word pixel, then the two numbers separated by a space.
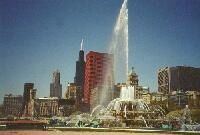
pixel 125 111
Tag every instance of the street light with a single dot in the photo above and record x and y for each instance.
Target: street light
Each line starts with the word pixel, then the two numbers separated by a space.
pixel 179 94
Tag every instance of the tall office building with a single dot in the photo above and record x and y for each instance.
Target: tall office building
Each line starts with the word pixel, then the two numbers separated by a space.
pixel 99 69
pixel 26 96
pixel 55 86
pixel 178 78
pixel 79 78
pixel 72 91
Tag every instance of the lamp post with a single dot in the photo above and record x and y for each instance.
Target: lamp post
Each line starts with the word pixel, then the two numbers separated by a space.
pixel 179 94
pixel 188 95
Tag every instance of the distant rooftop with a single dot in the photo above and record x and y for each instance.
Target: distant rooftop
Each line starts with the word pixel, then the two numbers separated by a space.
pixel 48 98
pixel 11 95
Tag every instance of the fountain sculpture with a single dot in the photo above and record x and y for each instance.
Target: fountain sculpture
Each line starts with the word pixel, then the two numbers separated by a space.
pixel 126 108
pixel 125 111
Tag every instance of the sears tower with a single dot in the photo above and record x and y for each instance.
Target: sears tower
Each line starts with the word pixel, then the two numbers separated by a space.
pixel 79 78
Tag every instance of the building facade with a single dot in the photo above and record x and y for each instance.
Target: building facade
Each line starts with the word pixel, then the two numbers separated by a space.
pixel 12 105
pixel 1 110
pixel 178 78
pixel 158 97
pixel 53 106
pixel 55 86
pixel 30 107
pixel 193 98
pixel 26 97
pixel 146 96
pixel 45 107
pixel 134 81
pixel 79 78
pixel 98 73
pixel 73 93
pixel 138 92
pixel 178 99
pixel 132 78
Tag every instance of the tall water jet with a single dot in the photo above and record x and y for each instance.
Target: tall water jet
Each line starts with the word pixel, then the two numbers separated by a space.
pixel 119 49
pixel 119 44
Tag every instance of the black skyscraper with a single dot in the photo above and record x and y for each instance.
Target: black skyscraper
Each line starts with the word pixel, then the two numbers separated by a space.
pixel 79 78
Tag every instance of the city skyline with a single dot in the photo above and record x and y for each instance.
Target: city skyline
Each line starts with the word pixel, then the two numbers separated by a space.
pixel 38 37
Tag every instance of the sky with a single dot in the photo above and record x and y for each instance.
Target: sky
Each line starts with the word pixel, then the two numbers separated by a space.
pixel 40 36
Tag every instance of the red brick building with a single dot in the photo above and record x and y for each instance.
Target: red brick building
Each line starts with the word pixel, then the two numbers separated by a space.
pixel 98 66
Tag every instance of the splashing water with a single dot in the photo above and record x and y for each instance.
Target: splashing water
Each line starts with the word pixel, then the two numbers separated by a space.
pixel 127 92
pixel 119 44
pixel 118 48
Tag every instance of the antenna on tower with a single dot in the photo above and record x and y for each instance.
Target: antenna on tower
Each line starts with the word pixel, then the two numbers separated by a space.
pixel 82 44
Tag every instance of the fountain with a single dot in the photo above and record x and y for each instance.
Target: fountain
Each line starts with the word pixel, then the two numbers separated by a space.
pixel 187 122
pixel 126 108
pixel 119 49
pixel 119 44
pixel 125 111
pixel 131 112
pixel 127 92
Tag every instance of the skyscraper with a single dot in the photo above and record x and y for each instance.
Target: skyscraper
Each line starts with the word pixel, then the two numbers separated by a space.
pixel 178 78
pixel 99 66
pixel 55 86
pixel 79 78
pixel 26 96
